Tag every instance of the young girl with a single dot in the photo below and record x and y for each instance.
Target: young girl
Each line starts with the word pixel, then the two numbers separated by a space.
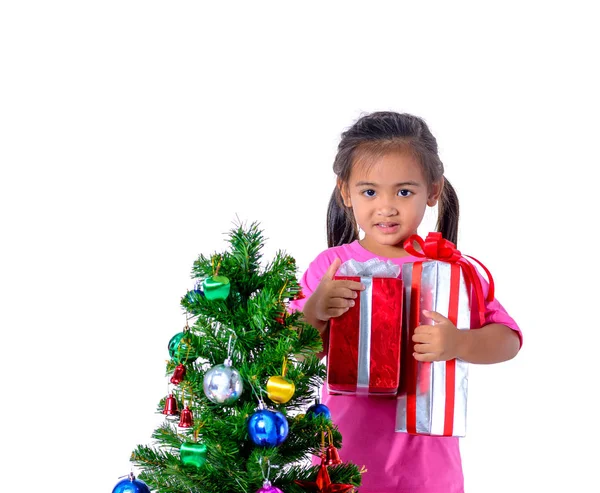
pixel 388 172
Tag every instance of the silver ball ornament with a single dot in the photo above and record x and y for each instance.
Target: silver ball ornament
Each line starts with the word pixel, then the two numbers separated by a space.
pixel 223 384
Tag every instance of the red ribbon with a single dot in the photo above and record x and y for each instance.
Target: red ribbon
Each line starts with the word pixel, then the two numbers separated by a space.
pixel 435 247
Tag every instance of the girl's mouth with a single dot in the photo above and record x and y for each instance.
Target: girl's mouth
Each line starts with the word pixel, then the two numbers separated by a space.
pixel 387 227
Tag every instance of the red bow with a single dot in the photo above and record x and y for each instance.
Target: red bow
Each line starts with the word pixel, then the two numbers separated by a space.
pixel 435 247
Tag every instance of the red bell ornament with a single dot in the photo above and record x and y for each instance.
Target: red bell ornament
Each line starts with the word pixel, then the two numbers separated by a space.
pixel 178 374
pixel 186 420
pixel 332 457
pixel 171 406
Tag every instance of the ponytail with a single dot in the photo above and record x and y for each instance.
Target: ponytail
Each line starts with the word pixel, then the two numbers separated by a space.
pixel 341 227
pixel 447 222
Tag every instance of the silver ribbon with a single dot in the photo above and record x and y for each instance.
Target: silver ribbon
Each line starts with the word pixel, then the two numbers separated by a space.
pixel 364 337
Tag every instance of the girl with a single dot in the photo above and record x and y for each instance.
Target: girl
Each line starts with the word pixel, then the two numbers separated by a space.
pixel 388 172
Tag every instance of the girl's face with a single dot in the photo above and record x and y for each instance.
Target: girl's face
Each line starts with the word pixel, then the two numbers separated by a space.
pixel 388 196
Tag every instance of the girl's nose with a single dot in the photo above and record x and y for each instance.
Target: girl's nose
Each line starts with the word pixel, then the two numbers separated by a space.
pixel 387 210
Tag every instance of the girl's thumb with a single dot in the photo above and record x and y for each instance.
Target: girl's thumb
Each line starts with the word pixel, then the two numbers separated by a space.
pixel 335 265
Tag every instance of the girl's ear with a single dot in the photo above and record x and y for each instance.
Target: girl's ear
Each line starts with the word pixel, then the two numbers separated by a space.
pixel 435 192
pixel 344 193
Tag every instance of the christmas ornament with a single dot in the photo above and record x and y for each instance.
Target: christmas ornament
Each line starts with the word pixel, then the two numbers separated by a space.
pixel 223 384
pixel 192 453
pixel 280 389
pixel 318 409
pixel 280 318
pixel 323 482
pixel 216 287
pixel 332 457
pixel 131 485
pixel 267 487
pixel 186 420
pixel 299 295
pixel 178 374
pixel 183 347
pixel 193 295
pixel 280 315
pixel 170 408
pixel 268 428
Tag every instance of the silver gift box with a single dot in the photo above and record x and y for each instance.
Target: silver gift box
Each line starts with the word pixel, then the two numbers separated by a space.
pixel 429 389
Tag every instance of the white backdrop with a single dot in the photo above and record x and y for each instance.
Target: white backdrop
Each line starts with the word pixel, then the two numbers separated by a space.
pixel 133 133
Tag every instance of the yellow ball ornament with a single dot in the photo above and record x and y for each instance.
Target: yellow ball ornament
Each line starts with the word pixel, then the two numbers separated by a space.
pixel 280 389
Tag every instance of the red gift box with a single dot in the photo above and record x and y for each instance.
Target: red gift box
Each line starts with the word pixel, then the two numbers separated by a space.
pixel 365 342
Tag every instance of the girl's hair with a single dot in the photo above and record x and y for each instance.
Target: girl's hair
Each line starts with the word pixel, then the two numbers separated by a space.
pixel 374 135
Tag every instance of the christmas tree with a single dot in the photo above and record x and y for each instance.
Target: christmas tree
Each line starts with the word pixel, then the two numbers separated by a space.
pixel 241 414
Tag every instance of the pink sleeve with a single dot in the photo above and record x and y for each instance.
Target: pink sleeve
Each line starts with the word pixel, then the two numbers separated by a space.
pixel 495 312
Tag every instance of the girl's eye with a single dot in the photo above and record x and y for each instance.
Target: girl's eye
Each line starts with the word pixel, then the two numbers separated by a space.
pixel 369 193
pixel 404 193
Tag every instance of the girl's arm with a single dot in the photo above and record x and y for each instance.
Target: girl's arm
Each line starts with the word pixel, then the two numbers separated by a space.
pixel 498 340
pixel 491 343
pixel 310 314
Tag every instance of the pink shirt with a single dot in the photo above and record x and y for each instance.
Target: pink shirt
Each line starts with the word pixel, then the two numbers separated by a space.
pixel 395 462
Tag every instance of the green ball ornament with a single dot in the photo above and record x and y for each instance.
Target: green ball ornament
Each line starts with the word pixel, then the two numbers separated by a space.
pixel 183 347
pixel 192 453
pixel 216 287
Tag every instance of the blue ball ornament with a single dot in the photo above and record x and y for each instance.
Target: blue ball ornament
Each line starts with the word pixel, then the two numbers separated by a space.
pixel 131 485
pixel 318 410
pixel 268 428
pixel 194 295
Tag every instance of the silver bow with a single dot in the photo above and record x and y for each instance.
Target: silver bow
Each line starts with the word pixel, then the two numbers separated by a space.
pixel 373 267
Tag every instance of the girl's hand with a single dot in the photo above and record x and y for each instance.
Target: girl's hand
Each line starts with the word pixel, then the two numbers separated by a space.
pixel 439 342
pixel 332 297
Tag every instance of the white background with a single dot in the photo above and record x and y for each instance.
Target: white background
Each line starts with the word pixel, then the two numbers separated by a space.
pixel 133 133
